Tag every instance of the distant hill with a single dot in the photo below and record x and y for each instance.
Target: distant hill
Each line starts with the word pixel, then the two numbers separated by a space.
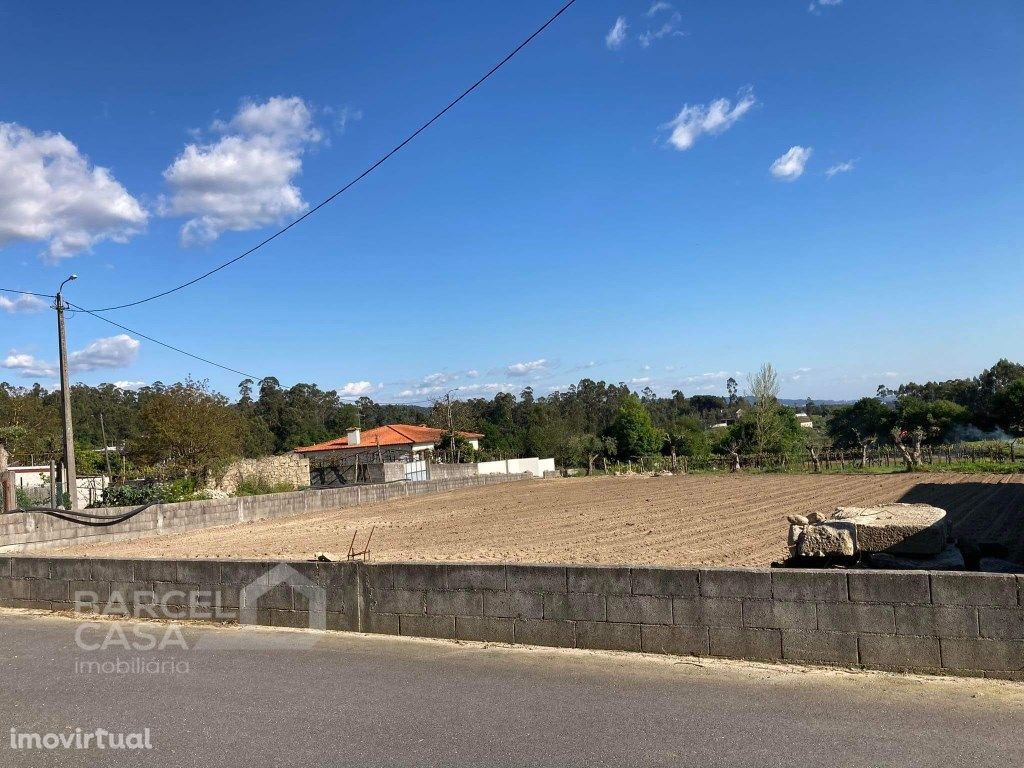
pixel 797 402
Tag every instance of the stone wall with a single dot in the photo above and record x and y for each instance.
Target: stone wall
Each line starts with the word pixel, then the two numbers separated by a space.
pixel 289 468
pixel 28 531
pixel 930 622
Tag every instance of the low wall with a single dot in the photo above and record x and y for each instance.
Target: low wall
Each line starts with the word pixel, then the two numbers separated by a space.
pixel 931 622
pixel 290 468
pixel 28 531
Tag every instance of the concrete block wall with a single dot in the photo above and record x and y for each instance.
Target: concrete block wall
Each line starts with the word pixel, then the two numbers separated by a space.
pixel 33 531
pixel 920 621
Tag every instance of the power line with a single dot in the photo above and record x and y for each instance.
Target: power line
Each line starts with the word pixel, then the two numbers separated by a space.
pixel 164 344
pixel 29 293
pixel 358 178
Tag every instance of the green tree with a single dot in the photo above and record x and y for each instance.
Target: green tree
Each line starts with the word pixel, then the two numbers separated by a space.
pixel 1008 408
pixel 634 432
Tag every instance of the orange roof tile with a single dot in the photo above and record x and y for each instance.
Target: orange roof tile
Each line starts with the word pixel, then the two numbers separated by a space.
pixel 390 434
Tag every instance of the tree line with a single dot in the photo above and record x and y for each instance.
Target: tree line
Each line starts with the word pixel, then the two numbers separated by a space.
pixel 186 429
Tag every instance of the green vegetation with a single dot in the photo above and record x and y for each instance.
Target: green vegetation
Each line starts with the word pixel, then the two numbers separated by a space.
pixel 260 486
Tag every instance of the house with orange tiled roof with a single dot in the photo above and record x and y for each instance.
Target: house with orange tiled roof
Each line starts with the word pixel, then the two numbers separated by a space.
pixel 378 455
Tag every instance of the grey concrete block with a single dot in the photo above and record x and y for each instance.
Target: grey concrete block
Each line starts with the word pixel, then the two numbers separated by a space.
pixel 113 570
pixel 889 587
pixel 937 621
pixel 672 582
pixel 606 636
pixel 89 592
pixel 899 651
pixel 557 634
pixel 811 584
pixel 427 626
pixel 342 622
pixel 203 572
pixel 640 609
pixel 30 568
pixel 679 641
pixel 344 599
pixel 381 623
pixel 736 582
pixel 277 597
pixel 856 617
pixel 997 589
pixel 756 644
pixel 70 568
pixel 515 605
pixel 419 576
pixel 51 590
pixel 600 580
pixel 162 570
pixel 297 619
pixel 397 601
pixel 536 578
pixel 486 629
pixel 831 647
pixel 376 576
pixel 575 606
pixel 707 612
pixel 484 576
pixel 775 614
pixel 1001 655
pixel 455 603
pixel 5 565
pixel 1002 623
pixel 21 589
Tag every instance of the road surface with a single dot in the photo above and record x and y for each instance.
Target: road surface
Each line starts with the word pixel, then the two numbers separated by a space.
pixel 377 701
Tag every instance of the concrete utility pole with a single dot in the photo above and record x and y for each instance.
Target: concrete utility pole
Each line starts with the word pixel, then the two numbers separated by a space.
pixel 70 478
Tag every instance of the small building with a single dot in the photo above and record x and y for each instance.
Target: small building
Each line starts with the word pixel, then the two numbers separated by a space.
pixel 804 421
pixel 382 454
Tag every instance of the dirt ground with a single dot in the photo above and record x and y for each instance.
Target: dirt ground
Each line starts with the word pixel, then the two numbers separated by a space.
pixel 675 520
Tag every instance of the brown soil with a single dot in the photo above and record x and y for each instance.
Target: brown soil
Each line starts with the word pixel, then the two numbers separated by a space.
pixel 680 520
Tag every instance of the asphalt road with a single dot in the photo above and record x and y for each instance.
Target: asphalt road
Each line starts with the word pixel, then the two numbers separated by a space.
pixel 376 701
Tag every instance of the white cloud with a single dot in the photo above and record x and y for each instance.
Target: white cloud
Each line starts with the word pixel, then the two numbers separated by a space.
pixel 356 389
pixel 244 180
pixel 525 369
pixel 790 166
pixel 714 118
pixel 641 380
pixel 131 386
pixel 617 34
pixel 472 373
pixel 844 167
pixel 658 7
pixel 23 303
pixel 51 193
pixel 29 365
pixel 111 352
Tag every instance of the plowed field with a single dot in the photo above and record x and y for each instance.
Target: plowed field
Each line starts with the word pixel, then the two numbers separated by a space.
pixel 680 520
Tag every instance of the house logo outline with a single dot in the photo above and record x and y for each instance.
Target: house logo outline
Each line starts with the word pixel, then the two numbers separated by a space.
pixel 282 573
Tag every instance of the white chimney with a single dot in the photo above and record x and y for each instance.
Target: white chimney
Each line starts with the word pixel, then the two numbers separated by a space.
pixel 353 435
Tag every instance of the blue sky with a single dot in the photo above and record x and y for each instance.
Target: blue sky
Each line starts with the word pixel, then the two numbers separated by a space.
pixel 646 201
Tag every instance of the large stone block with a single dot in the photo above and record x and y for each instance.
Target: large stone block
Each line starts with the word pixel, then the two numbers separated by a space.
pixel 397 601
pixel 679 641
pixel 829 539
pixel 736 582
pixel 910 529
pixel 606 636
pixel 455 603
pixel 30 568
pixel 470 576
pixel 427 626
pixel 949 559
pixel 900 652
pixel 419 576
pixel 1002 623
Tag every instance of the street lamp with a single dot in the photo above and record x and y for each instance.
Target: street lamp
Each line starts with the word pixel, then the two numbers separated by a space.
pixel 70 478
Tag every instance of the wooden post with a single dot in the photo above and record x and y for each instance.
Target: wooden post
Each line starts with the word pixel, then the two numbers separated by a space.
pixel 7 481
pixel 53 484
